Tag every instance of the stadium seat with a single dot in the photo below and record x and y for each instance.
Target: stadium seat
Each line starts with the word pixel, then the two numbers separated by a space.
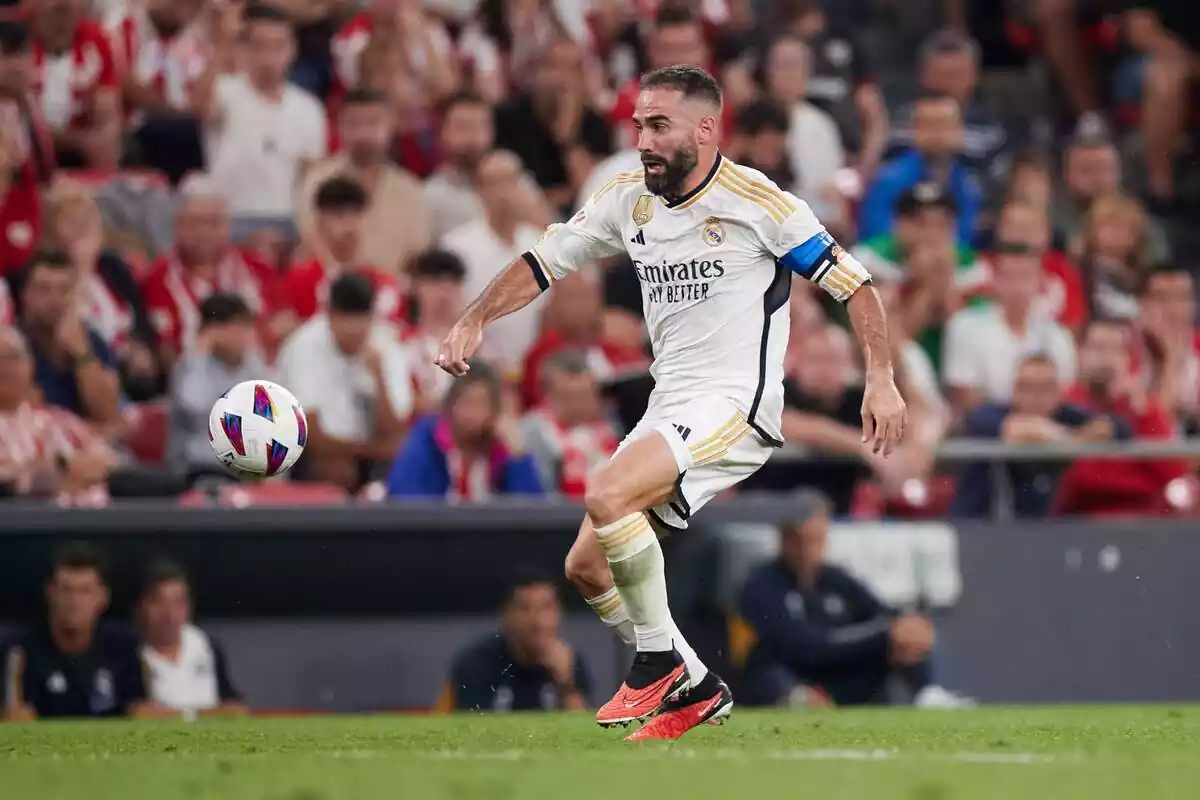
pixel 146 437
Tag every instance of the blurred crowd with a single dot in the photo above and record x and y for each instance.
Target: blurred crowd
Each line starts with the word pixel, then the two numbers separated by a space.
pixel 200 192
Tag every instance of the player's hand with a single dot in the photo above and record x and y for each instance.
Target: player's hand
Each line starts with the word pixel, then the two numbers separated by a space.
pixel 459 345
pixel 883 414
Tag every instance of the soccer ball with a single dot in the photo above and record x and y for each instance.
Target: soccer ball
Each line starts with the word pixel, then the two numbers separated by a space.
pixel 258 429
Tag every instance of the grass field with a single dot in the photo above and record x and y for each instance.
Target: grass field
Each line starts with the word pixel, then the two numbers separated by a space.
pixel 1027 754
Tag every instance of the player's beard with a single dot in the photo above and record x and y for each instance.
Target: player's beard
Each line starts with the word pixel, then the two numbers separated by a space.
pixel 669 182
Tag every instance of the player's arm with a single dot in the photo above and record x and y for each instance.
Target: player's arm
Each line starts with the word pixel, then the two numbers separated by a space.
pixel 801 243
pixel 564 249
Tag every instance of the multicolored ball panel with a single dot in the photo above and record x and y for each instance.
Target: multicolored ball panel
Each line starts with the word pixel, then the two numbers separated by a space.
pixel 276 454
pixel 301 427
pixel 232 425
pixel 264 406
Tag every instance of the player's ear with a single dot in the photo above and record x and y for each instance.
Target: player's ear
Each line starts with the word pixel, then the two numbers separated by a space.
pixel 706 133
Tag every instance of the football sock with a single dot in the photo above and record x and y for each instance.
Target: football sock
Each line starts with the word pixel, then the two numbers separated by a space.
pixel 695 667
pixel 611 610
pixel 636 560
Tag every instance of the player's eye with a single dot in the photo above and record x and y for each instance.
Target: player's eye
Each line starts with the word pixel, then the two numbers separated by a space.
pixel 659 127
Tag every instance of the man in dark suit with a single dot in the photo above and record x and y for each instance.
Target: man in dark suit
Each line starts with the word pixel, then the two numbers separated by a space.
pixel 821 635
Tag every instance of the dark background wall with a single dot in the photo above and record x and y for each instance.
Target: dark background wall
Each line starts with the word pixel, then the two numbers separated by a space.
pixel 354 609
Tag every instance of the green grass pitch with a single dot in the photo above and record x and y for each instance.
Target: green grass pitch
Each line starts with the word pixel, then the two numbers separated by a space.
pixel 1109 753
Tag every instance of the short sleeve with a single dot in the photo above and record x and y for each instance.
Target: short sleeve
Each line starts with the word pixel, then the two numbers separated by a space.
pixel 316 131
pixel 398 377
pixel 1064 355
pixel 961 364
pixel 800 242
pixel 582 240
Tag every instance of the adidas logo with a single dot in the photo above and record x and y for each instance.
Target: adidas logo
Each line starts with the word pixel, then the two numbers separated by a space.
pixel 684 431
pixel 640 238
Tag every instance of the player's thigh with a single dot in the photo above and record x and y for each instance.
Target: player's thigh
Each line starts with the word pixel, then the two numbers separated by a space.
pixel 641 474
pixel 717 465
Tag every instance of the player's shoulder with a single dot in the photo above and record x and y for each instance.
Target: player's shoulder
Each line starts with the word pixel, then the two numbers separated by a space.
pixel 753 194
pixel 621 187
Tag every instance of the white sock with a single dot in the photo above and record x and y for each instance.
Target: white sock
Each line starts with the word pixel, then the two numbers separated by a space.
pixel 611 610
pixel 636 560
pixel 695 667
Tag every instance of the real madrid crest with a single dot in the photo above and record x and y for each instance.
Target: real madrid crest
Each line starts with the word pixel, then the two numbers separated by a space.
pixel 643 210
pixel 714 232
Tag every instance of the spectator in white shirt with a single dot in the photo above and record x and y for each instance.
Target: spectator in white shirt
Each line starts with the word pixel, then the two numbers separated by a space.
pixel 620 161
pixel 814 144
pixel 984 344
pixel 186 671
pixel 490 243
pixel 261 131
pixel 466 137
pixel 351 374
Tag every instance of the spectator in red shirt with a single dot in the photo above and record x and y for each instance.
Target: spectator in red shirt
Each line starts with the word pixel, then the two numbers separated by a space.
pixel 574 320
pixel 1108 386
pixel 76 81
pixel 26 150
pixel 567 434
pixel 203 261
pixel 1062 294
pixel 435 304
pixel 341 206
pixel 165 50
pixel 1168 314
pixel 106 290
pixel 44 451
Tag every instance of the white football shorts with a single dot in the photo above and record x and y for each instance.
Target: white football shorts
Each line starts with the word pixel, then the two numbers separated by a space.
pixel 714 446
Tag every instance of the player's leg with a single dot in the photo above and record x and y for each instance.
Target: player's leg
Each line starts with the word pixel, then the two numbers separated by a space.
pixel 587 568
pixel 640 476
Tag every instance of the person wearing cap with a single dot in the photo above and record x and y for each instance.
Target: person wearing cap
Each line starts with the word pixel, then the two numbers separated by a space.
pixel 224 355
pixel 821 635
pixel 935 156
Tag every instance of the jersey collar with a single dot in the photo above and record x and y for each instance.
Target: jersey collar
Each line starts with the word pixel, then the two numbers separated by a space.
pixel 676 202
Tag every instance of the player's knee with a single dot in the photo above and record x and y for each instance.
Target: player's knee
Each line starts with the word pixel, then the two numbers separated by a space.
pixel 606 500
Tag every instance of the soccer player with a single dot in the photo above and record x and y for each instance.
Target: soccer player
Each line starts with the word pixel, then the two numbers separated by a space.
pixel 714 246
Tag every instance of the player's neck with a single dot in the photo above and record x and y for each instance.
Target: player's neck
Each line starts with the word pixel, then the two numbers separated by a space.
pixel 698 175
pixel 168 650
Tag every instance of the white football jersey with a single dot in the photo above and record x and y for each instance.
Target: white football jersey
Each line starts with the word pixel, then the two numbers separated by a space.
pixel 715 268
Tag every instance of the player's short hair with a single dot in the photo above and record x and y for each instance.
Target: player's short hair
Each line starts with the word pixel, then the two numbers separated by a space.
pixel 75 556
pixel 434 264
pixel 14 37
pixel 481 372
pixel 262 12
pixel 222 308
pixel 160 571
pixel 565 362
pixel 352 293
pixel 363 96
pixel 341 193
pixel 693 82
pixel 761 116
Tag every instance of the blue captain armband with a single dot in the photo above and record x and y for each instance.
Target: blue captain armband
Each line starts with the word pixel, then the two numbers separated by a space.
pixel 811 259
